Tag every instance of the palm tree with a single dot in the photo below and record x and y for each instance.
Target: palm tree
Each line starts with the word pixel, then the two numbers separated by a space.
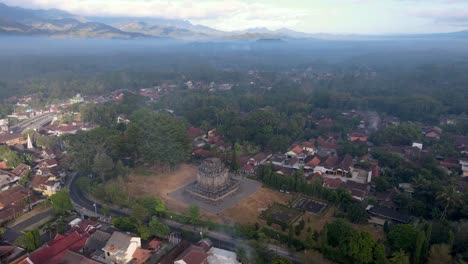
pixel 450 197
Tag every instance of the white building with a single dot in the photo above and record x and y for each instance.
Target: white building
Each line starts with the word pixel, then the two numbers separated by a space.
pixel 120 248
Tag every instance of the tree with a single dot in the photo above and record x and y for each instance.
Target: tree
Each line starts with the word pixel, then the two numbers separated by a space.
pixel 61 202
pixel 139 213
pixel 103 165
pixel 440 253
pixel 105 210
pixel 361 247
pixel 399 257
pixel 379 254
pixel 280 260
pixel 337 232
pixel 450 197
pixel 31 240
pixel 144 232
pixel 194 214
pixel 159 207
pixel 124 224
pixel 403 237
pixel 49 229
pixel 157 228
pixel 158 138
pixel 234 163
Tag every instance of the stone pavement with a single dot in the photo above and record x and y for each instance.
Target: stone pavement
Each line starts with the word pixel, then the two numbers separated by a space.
pixel 246 188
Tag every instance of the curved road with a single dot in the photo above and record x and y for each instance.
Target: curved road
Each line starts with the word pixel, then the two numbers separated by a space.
pixel 221 240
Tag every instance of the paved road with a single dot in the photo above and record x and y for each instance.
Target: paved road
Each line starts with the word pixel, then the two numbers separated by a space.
pixel 13 232
pixel 33 123
pixel 225 241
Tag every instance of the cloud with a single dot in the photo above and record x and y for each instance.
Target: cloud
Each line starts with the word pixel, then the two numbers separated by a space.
pixel 183 9
pixel 226 15
pixel 453 16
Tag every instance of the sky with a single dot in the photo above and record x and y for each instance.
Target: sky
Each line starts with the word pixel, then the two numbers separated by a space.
pixel 312 16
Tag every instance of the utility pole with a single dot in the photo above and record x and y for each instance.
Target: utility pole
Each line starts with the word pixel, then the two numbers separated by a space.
pixel 95 208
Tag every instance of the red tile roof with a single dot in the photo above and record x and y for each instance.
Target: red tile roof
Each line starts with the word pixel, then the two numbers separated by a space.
pixel 313 162
pixel 55 252
pixel 332 183
pixel 202 153
pixel 141 255
pixel 248 167
pixel 296 149
pixel 154 244
pixel 38 181
pixel 308 144
pixel 4 138
pixel 193 255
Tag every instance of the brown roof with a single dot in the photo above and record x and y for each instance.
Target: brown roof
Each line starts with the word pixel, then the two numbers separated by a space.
pixel 260 156
pixel 308 144
pixel 20 168
pixel 330 162
pixel 346 162
pixel 313 162
pixel 154 244
pixel 38 180
pixel 296 149
pixel 332 183
pixel 50 162
pixel 13 195
pixel 9 136
pixel 71 257
pixel 141 255
pixel 193 255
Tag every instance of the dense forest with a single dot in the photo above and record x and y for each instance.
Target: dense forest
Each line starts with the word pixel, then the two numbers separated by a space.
pixel 279 96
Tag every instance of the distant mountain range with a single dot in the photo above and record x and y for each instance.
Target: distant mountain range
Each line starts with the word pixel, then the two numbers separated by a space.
pixel 58 23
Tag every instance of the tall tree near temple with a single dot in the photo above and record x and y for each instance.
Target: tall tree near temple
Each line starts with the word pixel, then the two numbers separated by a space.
pixel 234 162
pixel 103 165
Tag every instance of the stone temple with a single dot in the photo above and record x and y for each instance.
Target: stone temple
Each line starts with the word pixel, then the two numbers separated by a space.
pixel 213 182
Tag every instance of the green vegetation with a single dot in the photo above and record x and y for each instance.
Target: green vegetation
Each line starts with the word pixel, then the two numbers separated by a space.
pixel 31 240
pixel 61 202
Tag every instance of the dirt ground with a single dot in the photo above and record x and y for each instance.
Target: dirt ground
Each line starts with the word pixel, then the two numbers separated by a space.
pixel 144 181
pixel 248 210
pixel 148 182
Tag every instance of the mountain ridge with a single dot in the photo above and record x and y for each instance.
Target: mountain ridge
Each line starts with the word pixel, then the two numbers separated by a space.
pixel 56 22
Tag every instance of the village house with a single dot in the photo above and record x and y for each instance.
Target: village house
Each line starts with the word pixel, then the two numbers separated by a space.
pixel 11 139
pixel 21 170
pixel 7 178
pixel 358 191
pixel 120 248
pixel 95 244
pixel 47 185
pixel 464 164
pixel 122 119
pixel 357 136
pixel 433 133
pixel 11 254
pixel 13 202
pixel 55 250
pixel 379 215
pixel 205 253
